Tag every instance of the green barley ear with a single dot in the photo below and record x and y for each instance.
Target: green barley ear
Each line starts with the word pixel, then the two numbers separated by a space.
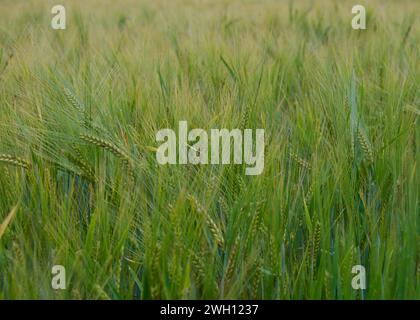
pixel 309 253
pixel 412 109
pixel 109 146
pixel 74 101
pixel 302 162
pixel 156 261
pixel 230 268
pixel 198 267
pixel 86 118
pixel 313 247
pixel 317 241
pixel 352 147
pixel 213 227
pixel 257 279
pixel 327 285
pixel 129 167
pixel 78 159
pixel 256 224
pixel 223 205
pixel 366 147
pixel 6 173
pixel 309 194
pixel 17 252
pixel 13 160
pixel 245 117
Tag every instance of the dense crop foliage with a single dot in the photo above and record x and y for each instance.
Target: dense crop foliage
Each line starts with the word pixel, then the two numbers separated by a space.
pixel 80 185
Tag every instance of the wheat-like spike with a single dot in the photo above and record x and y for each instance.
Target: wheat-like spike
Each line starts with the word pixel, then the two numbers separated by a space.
pixel 178 246
pixel 224 205
pixel 130 170
pixel 214 229
pixel 245 117
pixel 256 225
pixel 327 288
pixel 309 254
pixel 211 187
pixel 367 150
pixel 86 122
pixel 170 208
pixel 347 262
pixel 285 284
pixel 76 295
pixel 199 268
pixel 155 289
pixel 302 162
pixel 176 274
pixel 94 127
pixel 309 194
pixel 264 229
pixel 412 109
pixel 283 213
pixel 351 260
pixel 119 268
pixel 156 258
pixel 74 101
pixel 320 132
pixel 231 184
pixel 17 252
pixel 104 144
pixel 79 160
pixel 7 174
pixel 217 234
pixel 257 280
pixel 109 146
pixel 241 184
pixel 300 222
pixel 317 241
pixel 352 146
pixel 231 262
pixel 292 236
pixel 7 158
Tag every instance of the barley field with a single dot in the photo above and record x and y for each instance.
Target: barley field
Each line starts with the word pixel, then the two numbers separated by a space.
pixel 80 186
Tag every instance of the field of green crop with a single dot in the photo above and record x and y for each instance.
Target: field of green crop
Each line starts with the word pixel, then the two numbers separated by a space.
pixel 80 185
